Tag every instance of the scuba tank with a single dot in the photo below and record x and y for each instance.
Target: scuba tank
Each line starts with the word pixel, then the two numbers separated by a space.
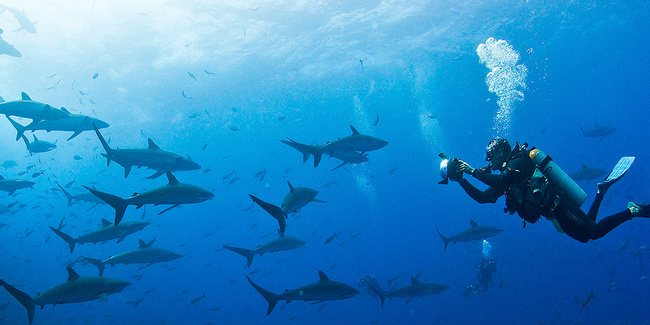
pixel 571 193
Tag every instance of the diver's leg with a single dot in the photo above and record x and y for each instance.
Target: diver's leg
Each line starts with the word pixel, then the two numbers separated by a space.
pixel 593 211
pixel 607 224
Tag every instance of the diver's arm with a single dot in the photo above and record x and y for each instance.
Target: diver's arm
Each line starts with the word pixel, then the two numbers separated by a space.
pixel 490 195
pixel 503 179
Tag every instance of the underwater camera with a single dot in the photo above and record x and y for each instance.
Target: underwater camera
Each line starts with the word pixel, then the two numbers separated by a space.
pixel 448 169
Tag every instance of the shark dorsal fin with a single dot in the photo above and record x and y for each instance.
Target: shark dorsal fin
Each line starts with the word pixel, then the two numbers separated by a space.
pixel 172 179
pixel 65 110
pixel 290 187
pixel 1 177
pixel 281 235
pixel 24 96
pixel 414 281
pixel 152 145
pixel 354 131
pixel 106 223
pixel 584 166
pixel 35 138
pixel 188 157
pixel 323 277
pixel 2 100
pixel 72 275
pixel 473 223
pixel 143 244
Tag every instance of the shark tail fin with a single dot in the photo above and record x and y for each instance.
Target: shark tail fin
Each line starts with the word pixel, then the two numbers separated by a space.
pixel 444 239
pixel 20 130
pixel 27 143
pixel 96 262
pixel 317 156
pixel 380 293
pixel 67 195
pixel 107 148
pixel 273 210
pixel 268 295
pixel 65 237
pixel 23 298
pixel 118 203
pixel 249 254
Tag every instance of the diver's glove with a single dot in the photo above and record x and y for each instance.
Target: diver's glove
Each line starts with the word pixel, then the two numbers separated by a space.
pixel 462 166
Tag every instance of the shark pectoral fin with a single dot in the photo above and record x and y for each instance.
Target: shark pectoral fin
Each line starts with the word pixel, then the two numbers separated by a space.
pixel 156 175
pixel 103 296
pixel 171 207
pixel 317 302
pixel 145 266
pixel 319 201
pixel 127 170
pixel 74 135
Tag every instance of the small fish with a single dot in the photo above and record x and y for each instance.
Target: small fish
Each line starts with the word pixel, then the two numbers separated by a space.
pixel 204 146
pixel 197 299
pixel 207 113
pixel 144 213
pixel 584 303
pixel 248 208
pixel 94 103
pixel 330 238
pixel 73 81
pixel 228 175
pixel 392 170
pixel 77 157
pixel 30 167
pixel 260 174
pixel 376 120
pixel 11 205
pixel 192 75
pixel 22 173
pixel 49 77
pixel 96 75
pixel 282 118
pixel 183 92
pixel 361 63
pixel 233 180
pixel 194 114
pixel 208 72
pixel 82 93
pixel 234 129
pixel 36 174
pixel 69 184
pixel 431 116
pixel 207 170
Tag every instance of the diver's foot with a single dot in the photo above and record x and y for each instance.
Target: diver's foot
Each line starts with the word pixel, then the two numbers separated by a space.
pixel 604 186
pixel 639 210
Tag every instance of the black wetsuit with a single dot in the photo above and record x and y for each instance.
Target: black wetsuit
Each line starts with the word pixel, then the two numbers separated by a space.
pixel 486 268
pixel 573 221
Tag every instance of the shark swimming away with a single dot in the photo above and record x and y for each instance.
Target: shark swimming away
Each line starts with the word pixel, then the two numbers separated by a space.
pixel 144 254
pixel 174 193
pixel 153 158
pixel 76 289
pixel 323 290
pixel 295 200
pixel 474 233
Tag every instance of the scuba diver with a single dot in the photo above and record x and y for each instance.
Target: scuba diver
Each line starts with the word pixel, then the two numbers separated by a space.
pixel 486 268
pixel 535 186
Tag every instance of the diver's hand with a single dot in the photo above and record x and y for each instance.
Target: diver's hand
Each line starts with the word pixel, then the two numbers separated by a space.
pixel 464 167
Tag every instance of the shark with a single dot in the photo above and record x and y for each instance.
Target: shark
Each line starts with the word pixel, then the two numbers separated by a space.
pixel 8 49
pixel 27 108
pixel 12 185
pixel 474 233
pixel 415 289
pixel 86 197
pixel 282 243
pixel 348 157
pixel 355 142
pixel 348 148
pixel 153 158
pixel 295 200
pixel 144 254
pixel 105 233
pixel 587 173
pixel 38 146
pixel 323 290
pixel 75 123
pixel 174 193
pixel 598 131
pixel 75 289
pixel 25 23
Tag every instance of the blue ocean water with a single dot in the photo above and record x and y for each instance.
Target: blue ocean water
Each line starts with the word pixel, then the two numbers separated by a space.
pixel 222 82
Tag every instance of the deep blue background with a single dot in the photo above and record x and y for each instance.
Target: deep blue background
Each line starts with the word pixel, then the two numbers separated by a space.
pixel 587 63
